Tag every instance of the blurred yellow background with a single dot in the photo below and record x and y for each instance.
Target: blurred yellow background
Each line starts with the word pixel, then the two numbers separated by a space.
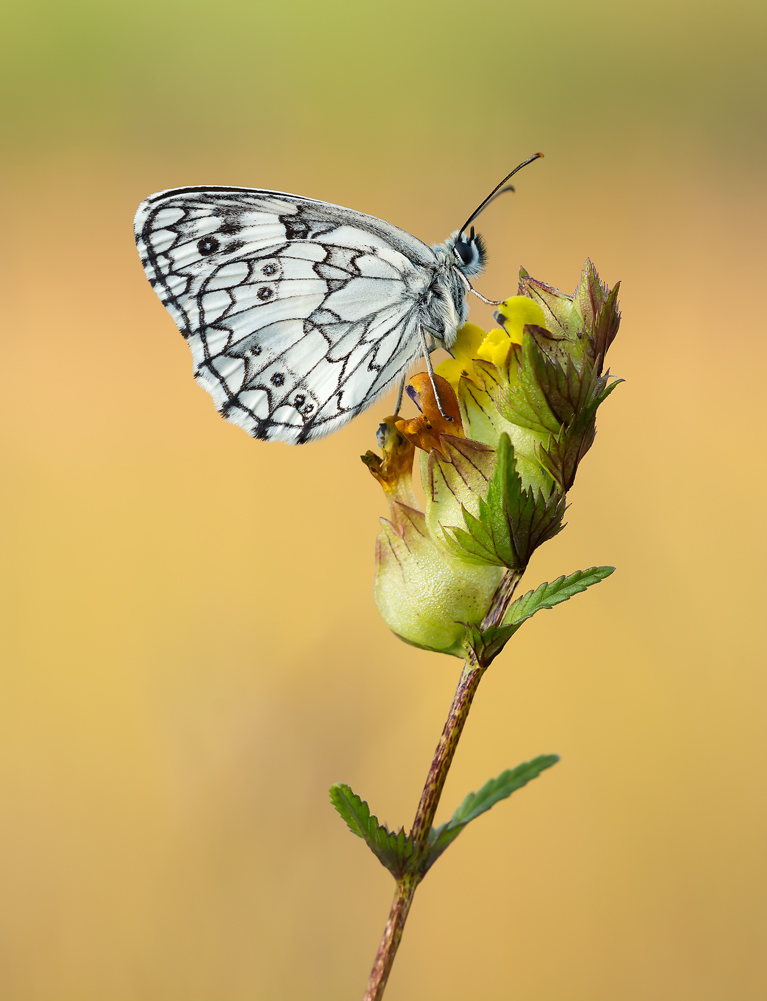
pixel 191 651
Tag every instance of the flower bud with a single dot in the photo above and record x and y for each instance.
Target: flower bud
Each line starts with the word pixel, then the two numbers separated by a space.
pixel 425 595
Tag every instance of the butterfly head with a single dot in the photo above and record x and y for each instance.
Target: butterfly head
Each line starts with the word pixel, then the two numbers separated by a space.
pixel 469 252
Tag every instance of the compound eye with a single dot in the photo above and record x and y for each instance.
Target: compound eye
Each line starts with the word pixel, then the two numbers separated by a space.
pixel 465 251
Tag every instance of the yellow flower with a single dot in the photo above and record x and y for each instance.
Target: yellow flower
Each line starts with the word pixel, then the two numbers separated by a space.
pixel 474 344
pixel 514 314
pixel 497 456
pixel 465 349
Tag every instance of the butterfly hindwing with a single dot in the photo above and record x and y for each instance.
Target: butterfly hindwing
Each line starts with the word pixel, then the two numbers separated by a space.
pixel 299 314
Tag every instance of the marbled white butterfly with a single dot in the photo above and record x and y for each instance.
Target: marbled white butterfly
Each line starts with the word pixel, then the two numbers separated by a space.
pixel 299 313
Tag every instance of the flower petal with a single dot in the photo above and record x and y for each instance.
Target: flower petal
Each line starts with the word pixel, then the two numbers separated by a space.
pixel 427 428
pixel 465 349
pixel 394 471
pixel 515 313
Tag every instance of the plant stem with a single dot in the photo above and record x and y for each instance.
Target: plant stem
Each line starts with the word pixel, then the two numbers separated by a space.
pixel 387 950
pixel 443 755
pixel 502 599
pixel 432 790
pixel 471 676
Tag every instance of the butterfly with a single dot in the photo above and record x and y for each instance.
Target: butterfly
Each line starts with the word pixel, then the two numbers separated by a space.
pixel 299 313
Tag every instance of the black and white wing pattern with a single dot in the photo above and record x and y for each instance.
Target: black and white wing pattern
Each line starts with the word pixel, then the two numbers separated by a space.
pixel 299 314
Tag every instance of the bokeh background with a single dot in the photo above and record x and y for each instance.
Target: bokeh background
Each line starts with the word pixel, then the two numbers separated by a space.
pixel 191 651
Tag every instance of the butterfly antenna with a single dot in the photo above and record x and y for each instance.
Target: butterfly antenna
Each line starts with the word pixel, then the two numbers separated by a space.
pixel 489 201
pixel 497 190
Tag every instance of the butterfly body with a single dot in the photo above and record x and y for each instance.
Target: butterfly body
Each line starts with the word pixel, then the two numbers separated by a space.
pixel 299 314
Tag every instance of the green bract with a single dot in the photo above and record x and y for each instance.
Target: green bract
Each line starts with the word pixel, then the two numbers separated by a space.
pixel 426 595
pixel 511 522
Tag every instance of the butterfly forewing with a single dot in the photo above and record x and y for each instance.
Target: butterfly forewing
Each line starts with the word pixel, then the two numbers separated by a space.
pixel 299 314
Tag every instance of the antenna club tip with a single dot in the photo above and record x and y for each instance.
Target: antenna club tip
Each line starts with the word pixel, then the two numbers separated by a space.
pixel 539 155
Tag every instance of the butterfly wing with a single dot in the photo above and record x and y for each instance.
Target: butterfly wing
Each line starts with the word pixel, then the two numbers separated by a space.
pixel 299 314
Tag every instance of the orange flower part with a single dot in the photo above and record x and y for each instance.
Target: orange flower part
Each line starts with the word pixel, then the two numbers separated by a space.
pixel 427 429
pixel 395 469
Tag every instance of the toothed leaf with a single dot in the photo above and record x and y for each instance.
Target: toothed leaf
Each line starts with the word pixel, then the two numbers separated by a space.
pixel 512 522
pixel 394 850
pixel 477 803
pixel 548 595
pixel 522 402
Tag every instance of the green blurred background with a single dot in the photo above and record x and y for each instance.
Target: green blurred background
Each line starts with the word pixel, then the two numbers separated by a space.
pixel 192 655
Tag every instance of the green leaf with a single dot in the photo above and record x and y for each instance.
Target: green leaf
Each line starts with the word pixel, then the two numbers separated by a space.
pixel 521 401
pixel 548 595
pixel 485 645
pixel 523 518
pixel 477 803
pixel 564 451
pixel 599 308
pixel 512 522
pixel 477 545
pixel 562 375
pixel 503 494
pixel 395 851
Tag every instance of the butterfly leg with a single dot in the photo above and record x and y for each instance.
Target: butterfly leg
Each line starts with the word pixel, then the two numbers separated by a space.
pixel 470 287
pixel 400 394
pixel 429 368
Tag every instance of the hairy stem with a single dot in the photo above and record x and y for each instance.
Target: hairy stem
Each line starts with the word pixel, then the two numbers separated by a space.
pixel 443 755
pixel 387 950
pixel 432 790
pixel 502 599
